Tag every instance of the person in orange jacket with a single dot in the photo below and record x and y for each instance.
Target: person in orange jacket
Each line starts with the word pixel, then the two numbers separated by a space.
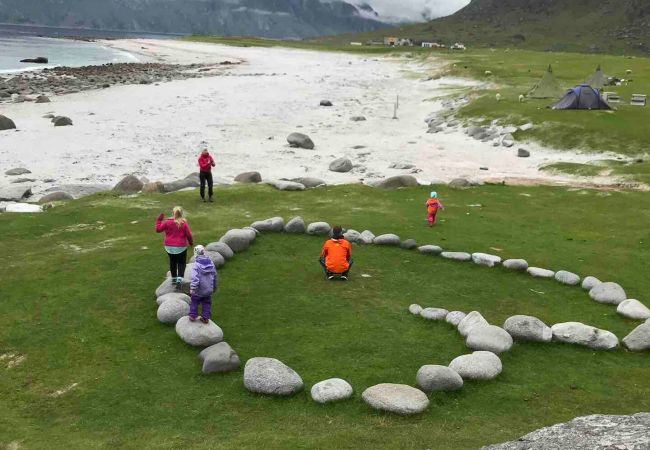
pixel 433 205
pixel 336 257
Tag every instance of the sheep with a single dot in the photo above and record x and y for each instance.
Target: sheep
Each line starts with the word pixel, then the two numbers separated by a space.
pixel 488 73
pixel 498 97
pixel 521 98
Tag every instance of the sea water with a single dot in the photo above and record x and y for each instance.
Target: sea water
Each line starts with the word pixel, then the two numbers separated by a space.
pixel 22 42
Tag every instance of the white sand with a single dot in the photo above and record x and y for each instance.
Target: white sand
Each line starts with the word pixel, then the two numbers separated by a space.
pixel 155 131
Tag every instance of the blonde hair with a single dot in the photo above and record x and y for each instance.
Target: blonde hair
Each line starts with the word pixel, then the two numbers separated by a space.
pixel 178 216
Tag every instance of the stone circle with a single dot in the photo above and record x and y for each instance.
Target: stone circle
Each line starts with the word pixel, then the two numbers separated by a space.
pixel 479 365
pixel 172 310
pixel 219 358
pixel 528 328
pixel 633 309
pixel 608 293
pixel 586 335
pixel 197 333
pixel 432 378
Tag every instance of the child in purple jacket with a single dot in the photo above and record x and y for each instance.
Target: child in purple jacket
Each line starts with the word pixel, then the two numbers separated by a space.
pixel 202 285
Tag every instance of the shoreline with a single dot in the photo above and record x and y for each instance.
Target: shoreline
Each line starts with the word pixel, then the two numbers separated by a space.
pixel 245 109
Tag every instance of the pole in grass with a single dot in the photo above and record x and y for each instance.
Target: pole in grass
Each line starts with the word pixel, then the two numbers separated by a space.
pixel 395 108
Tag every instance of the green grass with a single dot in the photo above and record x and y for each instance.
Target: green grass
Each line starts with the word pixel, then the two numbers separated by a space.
pixel 77 302
pixel 515 72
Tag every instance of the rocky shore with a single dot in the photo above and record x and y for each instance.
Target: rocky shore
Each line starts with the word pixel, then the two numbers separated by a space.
pixel 29 86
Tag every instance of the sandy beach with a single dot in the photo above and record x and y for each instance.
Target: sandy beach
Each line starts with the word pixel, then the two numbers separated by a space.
pixel 245 113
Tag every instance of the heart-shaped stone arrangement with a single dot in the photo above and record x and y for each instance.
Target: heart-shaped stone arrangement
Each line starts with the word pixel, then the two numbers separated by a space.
pixel 270 376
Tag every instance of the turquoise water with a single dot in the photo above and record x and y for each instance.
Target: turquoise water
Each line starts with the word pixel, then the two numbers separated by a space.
pixel 21 42
pixel 60 52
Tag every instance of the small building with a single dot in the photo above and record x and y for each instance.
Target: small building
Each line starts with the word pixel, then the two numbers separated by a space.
pixel 390 41
pixel 458 46
pixel 405 42
pixel 357 44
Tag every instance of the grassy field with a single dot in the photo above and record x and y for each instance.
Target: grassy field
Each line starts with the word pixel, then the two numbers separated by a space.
pixel 78 306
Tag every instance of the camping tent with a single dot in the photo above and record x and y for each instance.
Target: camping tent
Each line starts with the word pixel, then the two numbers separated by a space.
pixel 547 87
pixel 581 97
pixel 598 79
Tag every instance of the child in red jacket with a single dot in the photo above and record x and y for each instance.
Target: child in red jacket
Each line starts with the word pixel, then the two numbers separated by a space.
pixel 433 205
pixel 206 163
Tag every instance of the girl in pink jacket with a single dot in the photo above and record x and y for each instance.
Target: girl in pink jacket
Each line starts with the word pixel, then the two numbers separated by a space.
pixel 177 239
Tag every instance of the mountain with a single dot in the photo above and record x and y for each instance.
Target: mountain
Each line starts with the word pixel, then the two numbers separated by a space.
pixel 288 19
pixel 607 26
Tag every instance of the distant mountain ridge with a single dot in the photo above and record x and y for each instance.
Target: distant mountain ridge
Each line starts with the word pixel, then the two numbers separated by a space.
pixel 264 18
pixel 609 26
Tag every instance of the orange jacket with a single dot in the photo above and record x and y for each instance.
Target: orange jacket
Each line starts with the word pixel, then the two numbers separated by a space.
pixel 433 205
pixel 337 253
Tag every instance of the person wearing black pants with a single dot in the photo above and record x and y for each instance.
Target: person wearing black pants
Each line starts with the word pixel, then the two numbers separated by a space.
pixel 206 177
pixel 177 264
pixel 206 163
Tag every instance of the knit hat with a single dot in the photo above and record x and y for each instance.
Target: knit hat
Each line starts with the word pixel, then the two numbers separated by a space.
pixel 434 194
pixel 199 250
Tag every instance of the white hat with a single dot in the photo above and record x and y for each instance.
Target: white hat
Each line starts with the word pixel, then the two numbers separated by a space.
pixel 199 250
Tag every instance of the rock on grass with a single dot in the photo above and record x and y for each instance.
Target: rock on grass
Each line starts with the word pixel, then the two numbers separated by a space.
pixel 271 377
pixel 197 333
pixel 332 390
pixel 219 358
pixel 479 365
pixel 396 398
pixel 432 378
pixel 586 335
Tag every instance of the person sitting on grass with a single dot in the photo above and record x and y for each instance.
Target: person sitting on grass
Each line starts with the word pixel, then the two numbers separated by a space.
pixel 177 237
pixel 203 283
pixel 336 257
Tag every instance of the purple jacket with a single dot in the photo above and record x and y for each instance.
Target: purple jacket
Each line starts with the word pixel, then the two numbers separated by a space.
pixel 204 277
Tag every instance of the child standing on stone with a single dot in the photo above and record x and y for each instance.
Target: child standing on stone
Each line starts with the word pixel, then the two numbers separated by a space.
pixel 433 205
pixel 202 285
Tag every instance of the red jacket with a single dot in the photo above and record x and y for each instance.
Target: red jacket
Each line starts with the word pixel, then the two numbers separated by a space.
pixel 175 236
pixel 206 163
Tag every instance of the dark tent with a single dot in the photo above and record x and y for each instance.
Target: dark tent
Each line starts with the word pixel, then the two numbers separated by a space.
pixel 546 87
pixel 581 97
pixel 598 79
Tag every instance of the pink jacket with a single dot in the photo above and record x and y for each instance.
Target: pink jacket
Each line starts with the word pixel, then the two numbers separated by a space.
pixel 175 236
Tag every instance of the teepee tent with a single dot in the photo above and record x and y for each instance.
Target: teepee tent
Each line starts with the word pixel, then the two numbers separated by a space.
pixel 598 79
pixel 581 97
pixel 547 87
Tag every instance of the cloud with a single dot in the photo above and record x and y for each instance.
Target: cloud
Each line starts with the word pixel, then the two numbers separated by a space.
pixel 413 10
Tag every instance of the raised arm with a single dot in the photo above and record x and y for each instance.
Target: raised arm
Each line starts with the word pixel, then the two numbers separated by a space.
pixel 160 225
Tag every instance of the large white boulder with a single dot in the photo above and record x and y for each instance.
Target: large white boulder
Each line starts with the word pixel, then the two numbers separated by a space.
pixel 366 237
pixel 568 278
pixel 318 228
pixel 219 358
pixel 434 313
pixel 639 339
pixel 589 283
pixel 457 256
pixel 271 376
pixel 238 239
pixel 173 295
pixel 633 309
pixel 415 309
pixel 430 250
pixel 489 338
pixel 387 239
pixel 198 333
pixel 221 248
pixel 538 272
pixel 396 398
pixel 431 378
pixel 332 390
pixel 172 310
pixel 581 334
pixel 471 320
pixel 274 224
pixel 515 264
pixel 296 226
pixel 608 293
pixel 485 259
pixel 528 328
pixel 479 365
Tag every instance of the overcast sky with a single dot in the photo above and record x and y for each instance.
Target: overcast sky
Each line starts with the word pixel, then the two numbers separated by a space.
pixel 414 9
